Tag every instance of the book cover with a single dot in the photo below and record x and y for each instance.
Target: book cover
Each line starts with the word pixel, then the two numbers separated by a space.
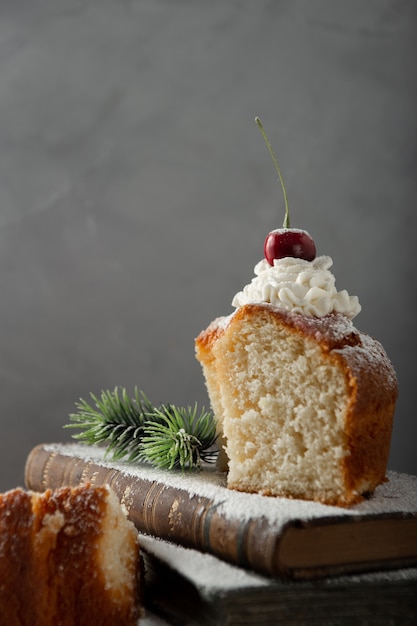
pixel 276 537
pixel 193 589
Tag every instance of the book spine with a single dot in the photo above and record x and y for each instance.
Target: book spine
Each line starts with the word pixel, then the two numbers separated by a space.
pixel 163 511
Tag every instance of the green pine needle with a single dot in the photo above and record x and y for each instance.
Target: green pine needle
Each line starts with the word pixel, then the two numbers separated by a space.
pixel 180 439
pixel 166 436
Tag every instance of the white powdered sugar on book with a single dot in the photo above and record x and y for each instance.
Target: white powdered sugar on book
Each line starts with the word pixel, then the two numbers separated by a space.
pixel 397 495
pixel 211 575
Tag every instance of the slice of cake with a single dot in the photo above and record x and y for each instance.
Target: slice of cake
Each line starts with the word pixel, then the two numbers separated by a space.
pixel 68 557
pixel 304 401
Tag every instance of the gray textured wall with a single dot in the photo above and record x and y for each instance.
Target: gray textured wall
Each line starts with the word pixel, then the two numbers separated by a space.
pixel 136 190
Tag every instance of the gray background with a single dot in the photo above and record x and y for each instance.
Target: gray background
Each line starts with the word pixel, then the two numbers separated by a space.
pixel 136 190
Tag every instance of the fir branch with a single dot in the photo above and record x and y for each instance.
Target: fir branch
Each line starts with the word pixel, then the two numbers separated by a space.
pixel 182 438
pixel 165 436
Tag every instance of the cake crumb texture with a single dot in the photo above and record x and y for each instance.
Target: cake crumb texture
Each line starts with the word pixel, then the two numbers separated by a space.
pixel 305 405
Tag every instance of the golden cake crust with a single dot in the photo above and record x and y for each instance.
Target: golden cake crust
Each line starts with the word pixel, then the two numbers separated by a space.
pixel 55 559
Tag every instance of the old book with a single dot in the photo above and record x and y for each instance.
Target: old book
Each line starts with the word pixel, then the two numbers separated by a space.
pixel 190 588
pixel 275 537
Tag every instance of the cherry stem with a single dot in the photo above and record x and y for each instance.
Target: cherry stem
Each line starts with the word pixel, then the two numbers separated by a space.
pixel 271 152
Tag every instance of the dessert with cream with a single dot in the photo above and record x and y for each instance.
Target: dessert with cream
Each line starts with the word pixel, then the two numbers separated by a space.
pixel 304 401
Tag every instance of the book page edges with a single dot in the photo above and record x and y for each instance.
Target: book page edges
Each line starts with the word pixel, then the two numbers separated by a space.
pixel 349 544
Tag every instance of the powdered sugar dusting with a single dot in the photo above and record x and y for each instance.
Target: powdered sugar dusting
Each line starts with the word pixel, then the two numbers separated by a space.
pixel 210 575
pixel 204 570
pixel 370 351
pixel 398 495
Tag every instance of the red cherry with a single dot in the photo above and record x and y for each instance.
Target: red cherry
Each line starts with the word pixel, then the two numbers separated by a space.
pixel 293 242
pixel 286 241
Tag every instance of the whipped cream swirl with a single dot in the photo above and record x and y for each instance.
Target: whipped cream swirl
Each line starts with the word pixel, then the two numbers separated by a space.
pixel 305 287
